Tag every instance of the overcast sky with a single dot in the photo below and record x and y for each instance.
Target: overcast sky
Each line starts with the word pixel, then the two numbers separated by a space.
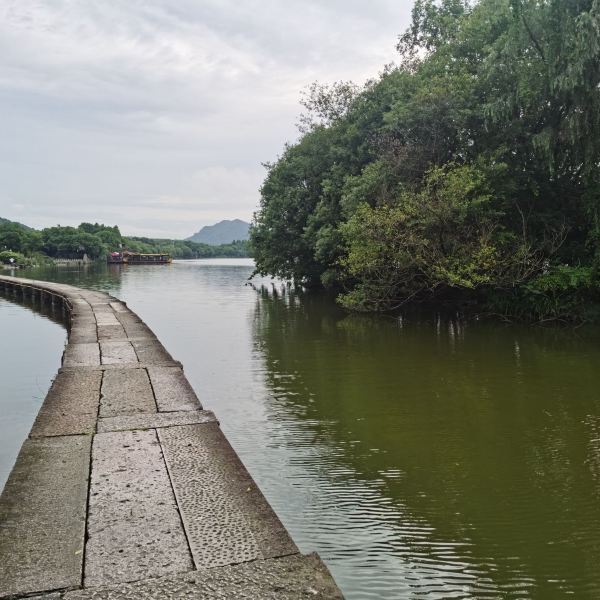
pixel 156 114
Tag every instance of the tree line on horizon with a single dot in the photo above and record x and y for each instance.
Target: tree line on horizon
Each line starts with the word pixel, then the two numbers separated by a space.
pixel 468 175
pixel 26 245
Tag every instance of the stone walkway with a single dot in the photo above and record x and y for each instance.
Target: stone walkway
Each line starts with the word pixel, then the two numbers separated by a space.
pixel 127 488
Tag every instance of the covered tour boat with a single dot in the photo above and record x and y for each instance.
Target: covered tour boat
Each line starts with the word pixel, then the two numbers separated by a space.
pixel 136 258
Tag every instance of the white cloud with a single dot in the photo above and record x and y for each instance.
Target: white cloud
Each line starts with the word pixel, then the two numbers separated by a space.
pixel 166 109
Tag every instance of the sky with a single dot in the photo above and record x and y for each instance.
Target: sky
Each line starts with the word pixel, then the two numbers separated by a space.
pixel 155 115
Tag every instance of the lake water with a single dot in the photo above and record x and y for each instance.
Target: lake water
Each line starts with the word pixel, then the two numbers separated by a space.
pixel 422 457
pixel 31 344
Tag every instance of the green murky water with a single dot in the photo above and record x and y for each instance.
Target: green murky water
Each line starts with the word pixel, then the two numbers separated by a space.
pixel 422 457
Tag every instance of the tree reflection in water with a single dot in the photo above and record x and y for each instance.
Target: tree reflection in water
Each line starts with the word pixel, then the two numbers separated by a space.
pixel 458 457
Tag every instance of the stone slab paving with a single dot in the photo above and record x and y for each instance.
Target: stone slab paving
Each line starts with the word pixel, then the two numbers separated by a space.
pixel 83 317
pixel 106 318
pixel 225 515
pixel 111 332
pixel 134 326
pixel 126 488
pixel 84 335
pixel 172 390
pixel 134 529
pixel 82 355
pixel 126 392
pixel 42 516
pixel 155 421
pixel 84 326
pixel 117 353
pixel 119 307
pixel 71 405
pixel 150 351
pixel 288 578
pixel 218 532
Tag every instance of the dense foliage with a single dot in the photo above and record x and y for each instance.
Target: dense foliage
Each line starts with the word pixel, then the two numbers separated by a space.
pixel 467 174
pixel 186 248
pixel 96 241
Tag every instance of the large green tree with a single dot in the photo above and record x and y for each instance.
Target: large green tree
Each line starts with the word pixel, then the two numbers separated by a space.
pixel 500 94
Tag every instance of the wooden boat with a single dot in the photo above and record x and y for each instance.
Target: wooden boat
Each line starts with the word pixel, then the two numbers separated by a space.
pixel 136 258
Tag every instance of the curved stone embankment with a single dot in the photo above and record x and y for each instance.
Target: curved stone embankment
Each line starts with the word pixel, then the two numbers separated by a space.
pixel 127 488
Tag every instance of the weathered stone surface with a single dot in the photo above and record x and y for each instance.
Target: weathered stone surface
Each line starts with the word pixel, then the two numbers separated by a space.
pixel 217 531
pixel 138 330
pixel 270 534
pixel 106 318
pixel 128 318
pixel 81 317
pixel 156 420
pixel 117 353
pixel 83 321
pixel 80 302
pixel 111 332
pixel 126 392
pixel 55 596
pixel 82 355
pixel 172 390
pixel 226 518
pixel 119 307
pixel 120 366
pixel 99 301
pixel 134 529
pixel 150 351
pixel 84 328
pixel 83 335
pixel 71 405
pixel 42 516
pixel 287 578
pixel 101 305
pixel 134 326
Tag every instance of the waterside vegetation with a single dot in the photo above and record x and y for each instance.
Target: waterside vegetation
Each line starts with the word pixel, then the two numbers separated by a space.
pixel 28 246
pixel 468 175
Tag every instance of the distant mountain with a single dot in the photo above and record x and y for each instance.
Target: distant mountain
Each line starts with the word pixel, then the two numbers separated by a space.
pixel 8 221
pixel 223 232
